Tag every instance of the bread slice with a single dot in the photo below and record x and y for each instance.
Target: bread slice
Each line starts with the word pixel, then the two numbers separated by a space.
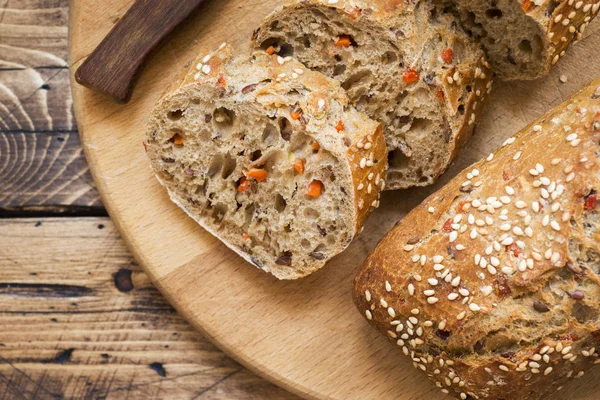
pixel 492 284
pixel 406 64
pixel 269 157
pixel 524 38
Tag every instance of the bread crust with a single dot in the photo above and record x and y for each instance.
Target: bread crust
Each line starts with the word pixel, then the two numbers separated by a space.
pixel 491 285
pixel 359 146
pixel 463 87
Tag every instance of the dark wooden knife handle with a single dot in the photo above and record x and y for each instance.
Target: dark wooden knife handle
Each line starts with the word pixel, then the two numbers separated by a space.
pixel 112 67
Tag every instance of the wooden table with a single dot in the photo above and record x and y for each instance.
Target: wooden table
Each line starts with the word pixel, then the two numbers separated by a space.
pixel 78 317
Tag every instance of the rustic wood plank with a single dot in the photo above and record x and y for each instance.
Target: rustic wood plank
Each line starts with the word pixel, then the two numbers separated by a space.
pixel 42 166
pixel 80 319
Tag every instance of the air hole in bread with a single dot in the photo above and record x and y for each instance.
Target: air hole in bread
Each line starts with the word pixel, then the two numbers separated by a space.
pixel 256 155
pixel 175 115
pixel 215 165
pixel 389 57
pixel 311 213
pixel 583 313
pixel 286 50
pixel 552 6
pixel 494 13
pixel 201 190
pixel 249 214
pixel 306 41
pixel 223 117
pixel 339 69
pixel 525 46
pixel 461 109
pixel 356 79
pixel 280 203
pixel 218 212
pixel 270 42
pixel 397 159
pixel 285 128
pixel 305 244
pixel 275 26
pixel 269 134
pixel 229 166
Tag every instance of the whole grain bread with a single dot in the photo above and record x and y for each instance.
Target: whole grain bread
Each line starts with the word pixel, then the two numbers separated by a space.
pixel 407 64
pixel 524 38
pixel 492 284
pixel 269 157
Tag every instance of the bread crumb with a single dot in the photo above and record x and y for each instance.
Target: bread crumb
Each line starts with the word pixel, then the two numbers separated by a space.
pixel 563 78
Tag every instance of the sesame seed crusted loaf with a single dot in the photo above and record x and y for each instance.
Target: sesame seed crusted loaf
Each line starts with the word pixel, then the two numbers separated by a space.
pixel 407 64
pixel 524 38
pixel 269 157
pixel 492 285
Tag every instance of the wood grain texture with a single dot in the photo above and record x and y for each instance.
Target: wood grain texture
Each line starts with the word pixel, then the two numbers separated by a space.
pixel 79 319
pixel 42 165
pixel 304 335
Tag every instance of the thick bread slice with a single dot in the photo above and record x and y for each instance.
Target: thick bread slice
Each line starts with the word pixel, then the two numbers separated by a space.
pixel 269 157
pixel 491 285
pixel 406 64
pixel 524 38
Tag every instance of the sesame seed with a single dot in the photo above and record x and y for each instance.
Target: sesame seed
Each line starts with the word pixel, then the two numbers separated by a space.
pixel 431 210
pixel 432 300
pixel 369 315
pixel 461 315
pixel 384 303
pixel 411 289
pixel 503 367
pixel 452 296
pixel 453 236
pixel 206 69
pixel 474 307
pixel 388 287
pixel 392 312
pixel 368 296
pixel 413 320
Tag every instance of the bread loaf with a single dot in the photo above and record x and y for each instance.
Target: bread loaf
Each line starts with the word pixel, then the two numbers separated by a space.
pixel 524 38
pixel 492 284
pixel 269 157
pixel 406 64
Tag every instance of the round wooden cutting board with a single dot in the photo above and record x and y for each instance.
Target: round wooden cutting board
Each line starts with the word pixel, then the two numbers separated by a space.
pixel 306 335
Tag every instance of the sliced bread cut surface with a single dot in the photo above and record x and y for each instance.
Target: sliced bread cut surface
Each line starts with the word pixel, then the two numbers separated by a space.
pixel 492 284
pixel 406 64
pixel 524 38
pixel 269 157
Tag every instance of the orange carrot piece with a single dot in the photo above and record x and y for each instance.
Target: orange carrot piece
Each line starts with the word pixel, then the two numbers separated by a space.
pixel 178 139
pixel 299 166
pixel 410 76
pixel 271 50
pixel 340 126
pixel 257 174
pixel 244 185
pixel 343 41
pixel 448 56
pixel 315 188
